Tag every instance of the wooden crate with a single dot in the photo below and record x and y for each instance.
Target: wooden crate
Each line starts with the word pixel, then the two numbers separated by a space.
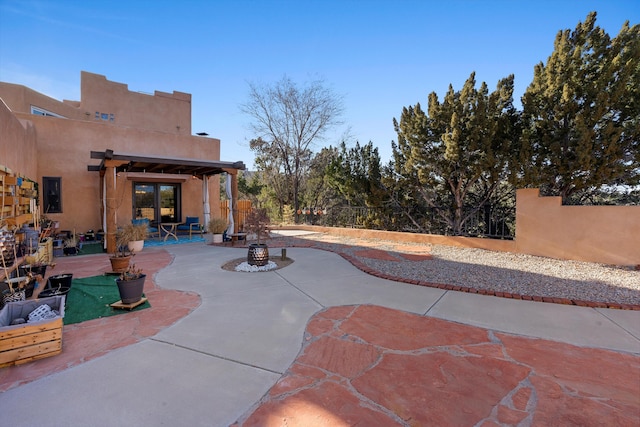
pixel 30 341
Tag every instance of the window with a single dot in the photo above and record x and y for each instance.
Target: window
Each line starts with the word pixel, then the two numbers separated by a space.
pixel 105 117
pixel 52 194
pixel 42 112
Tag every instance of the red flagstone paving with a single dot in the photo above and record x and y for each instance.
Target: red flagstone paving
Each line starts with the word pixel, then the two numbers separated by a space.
pixel 84 341
pixel 369 365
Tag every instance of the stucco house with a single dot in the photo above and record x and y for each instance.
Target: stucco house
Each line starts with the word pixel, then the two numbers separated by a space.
pixel 113 156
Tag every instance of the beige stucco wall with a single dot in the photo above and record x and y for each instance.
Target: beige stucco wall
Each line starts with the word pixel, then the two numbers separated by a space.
pixel 156 125
pixel 18 144
pixel 397 236
pixel 163 112
pixel 606 234
pixel 603 234
pixel 64 148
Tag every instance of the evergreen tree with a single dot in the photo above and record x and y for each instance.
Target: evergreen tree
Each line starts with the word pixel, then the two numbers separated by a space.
pixel 581 113
pixel 462 147
pixel 356 175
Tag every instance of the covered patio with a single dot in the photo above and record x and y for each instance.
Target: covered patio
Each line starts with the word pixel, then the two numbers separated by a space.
pixel 112 163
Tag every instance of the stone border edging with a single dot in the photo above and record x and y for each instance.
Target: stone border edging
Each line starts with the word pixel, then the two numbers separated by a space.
pixel 565 301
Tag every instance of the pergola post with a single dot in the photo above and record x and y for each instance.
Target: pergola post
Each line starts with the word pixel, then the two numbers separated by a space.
pixel 234 201
pixel 111 205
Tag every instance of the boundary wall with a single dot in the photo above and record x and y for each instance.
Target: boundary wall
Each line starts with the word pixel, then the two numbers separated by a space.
pixel 544 227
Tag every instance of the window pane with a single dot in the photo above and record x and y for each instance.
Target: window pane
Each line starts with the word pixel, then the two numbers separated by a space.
pixel 144 201
pixel 51 194
pixel 168 203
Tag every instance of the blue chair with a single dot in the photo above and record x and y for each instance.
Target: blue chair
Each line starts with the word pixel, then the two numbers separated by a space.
pixel 150 229
pixel 191 224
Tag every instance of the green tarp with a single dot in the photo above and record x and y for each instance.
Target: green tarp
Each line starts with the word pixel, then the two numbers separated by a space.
pixel 90 298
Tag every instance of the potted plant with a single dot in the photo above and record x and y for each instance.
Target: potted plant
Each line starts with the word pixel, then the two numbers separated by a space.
pixel 256 223
pixel 131 284
pixel 217 226
pixel 70 245
pixel 134 235
pixel 35 272
pixel 120 259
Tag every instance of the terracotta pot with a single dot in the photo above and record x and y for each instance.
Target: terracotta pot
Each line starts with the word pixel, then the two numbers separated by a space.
pixel 120 264
pixel 131 290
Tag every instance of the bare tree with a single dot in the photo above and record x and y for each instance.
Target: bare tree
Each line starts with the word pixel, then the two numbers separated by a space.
pixel 287 120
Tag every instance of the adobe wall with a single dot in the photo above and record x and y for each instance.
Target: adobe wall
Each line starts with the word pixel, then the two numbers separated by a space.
pixel 18 145
pixel 398 236
pixel 164 112
pixel 64 148
pixel 604 234
pixel 20 99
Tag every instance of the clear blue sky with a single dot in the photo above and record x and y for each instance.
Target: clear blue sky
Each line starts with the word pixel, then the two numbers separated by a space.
pixel 380 55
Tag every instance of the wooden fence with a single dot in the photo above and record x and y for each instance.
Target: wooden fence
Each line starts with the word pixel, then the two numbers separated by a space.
pixel 244 207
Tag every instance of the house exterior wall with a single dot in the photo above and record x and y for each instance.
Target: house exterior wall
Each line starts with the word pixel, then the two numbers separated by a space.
pixel 18 146
pixel 60 147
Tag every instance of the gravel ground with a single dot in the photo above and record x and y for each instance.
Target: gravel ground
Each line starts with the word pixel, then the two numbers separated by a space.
pixel 493 271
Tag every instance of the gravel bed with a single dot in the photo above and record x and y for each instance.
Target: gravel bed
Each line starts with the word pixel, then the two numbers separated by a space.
pixel 481 269
pixel 519 274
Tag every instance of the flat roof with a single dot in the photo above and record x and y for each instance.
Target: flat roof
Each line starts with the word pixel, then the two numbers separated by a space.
pixel 168 165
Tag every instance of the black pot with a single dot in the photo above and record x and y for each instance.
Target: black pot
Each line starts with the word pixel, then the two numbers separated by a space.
pixel 25 269
pixel 131 290
pixel 258 254
pixel 57 285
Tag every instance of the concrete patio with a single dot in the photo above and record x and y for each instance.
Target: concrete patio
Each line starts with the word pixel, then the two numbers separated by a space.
pixel 322 343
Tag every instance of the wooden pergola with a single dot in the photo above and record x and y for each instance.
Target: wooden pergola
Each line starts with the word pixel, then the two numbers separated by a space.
pixel 111 163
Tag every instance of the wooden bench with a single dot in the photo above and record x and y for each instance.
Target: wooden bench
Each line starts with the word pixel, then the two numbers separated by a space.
pixel 237 236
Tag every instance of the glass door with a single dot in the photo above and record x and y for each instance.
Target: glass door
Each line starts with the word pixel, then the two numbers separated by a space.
pixel 168 197
pixel 144 199
pixel 157 202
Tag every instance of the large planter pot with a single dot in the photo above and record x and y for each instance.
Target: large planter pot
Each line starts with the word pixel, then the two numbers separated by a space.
pixel 258 254
pixel 217 238
pixel 32 270
pixel 59 284
pixel 136 245
pixel 119 264
pixel 131 290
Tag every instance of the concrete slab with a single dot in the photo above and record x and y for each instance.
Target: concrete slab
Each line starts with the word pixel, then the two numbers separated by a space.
pixel 262 326
pixel 580 326
pixel 365 289
pixel 147 384
pixel 313 265
pixel 626 319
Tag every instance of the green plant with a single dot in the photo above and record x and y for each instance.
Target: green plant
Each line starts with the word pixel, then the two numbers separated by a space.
pixel 217 225
pixel 257 222
pixel 70 242
pixel 122 245
pixel 131 273
pixel 132 232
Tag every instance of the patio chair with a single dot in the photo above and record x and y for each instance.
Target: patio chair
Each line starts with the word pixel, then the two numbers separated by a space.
pixel 152 230
pixel 191 224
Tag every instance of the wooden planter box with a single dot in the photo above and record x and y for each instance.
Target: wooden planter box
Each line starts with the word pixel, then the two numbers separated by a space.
pixel 30 341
